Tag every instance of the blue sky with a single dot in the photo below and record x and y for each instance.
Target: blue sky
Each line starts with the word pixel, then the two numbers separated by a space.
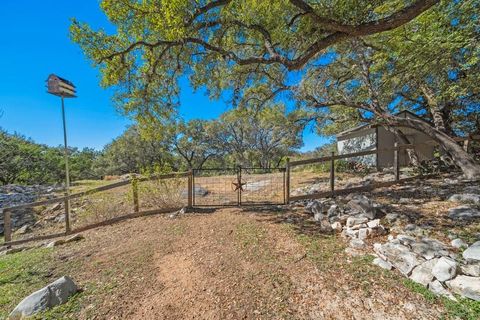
pixel 35 43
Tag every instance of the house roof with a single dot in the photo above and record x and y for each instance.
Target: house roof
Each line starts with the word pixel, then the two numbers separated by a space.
pixel 367 126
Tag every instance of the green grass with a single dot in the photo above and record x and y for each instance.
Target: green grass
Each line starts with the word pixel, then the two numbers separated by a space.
pixel 463 308
pixel 20 275
pixel 327 251
pixel 249 235
pixel 254 243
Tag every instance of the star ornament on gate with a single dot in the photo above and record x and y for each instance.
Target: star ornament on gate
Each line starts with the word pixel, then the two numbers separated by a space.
pixel 239 185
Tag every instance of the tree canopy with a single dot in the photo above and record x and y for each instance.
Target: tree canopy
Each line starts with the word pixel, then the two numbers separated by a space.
pixel 222 43
pixel 254 50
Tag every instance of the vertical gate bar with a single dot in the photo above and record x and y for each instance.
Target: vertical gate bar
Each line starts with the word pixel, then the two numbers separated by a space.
pixel 332 174
pixel 396 162
pixel 287 186
pixel 239 174
pixel 190 187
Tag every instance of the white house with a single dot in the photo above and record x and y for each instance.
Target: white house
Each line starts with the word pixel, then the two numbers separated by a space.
pixel 372 137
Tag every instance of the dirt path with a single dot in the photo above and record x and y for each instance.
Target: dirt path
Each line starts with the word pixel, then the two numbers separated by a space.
pixel 230 264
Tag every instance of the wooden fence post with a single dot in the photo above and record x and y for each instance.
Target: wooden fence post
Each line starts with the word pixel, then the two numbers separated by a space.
pixel 7 225
pixel 136 204
pixel 396 162
pixel 67 213
pixel 287 182
pixel 190 189
pixel 332 174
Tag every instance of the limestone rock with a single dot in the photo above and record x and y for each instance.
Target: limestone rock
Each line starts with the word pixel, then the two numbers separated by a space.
pixel 198 190
pixel 363 205
pixel 54 294
pixel 463 213
pixel 357 244
pixel 374 223
pixel 333 210
pixel 466 286
pixel 471 270
pixel 429 248
pixel 472 253
pixel 423 273
pixel 318 216
pixel 391 217
pixel 350 233
pixel 337 226
pixel 382 263
pixel 406 239
pixel 256 185
pixel 352 221
pixel 55 243
pixel 438 288
pixel 400 257
pixel 465 197
pixel 458 243
pixel 445 269
pixel 363 233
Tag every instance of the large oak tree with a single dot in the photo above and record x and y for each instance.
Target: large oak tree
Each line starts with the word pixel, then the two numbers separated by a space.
pixel 237 45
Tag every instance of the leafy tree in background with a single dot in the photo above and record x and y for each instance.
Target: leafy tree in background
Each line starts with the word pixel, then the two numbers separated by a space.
pixel 26 162
pixel 260 137
pixel 193 141
pixel 17 157
pixel 132 153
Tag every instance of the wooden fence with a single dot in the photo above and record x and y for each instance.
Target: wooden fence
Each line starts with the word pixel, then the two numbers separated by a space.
pixel 288 197
pixel 331 159
pixel 7 220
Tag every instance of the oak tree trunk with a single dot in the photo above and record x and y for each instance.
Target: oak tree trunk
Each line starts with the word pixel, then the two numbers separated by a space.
pixel 402 138
pixel 461 158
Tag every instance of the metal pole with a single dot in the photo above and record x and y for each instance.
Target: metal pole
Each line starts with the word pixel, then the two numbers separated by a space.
pixel 239 176
pixel 67 173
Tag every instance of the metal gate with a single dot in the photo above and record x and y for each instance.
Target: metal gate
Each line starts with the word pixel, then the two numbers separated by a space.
pixel 238 186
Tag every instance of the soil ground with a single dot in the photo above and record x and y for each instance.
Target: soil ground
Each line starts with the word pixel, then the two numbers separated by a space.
pixel 237 263
pixel 231 264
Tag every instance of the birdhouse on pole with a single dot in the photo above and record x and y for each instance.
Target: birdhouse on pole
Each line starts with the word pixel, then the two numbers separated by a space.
pixel 60 87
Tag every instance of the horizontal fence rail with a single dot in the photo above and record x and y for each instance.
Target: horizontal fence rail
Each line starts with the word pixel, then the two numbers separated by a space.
pixel 134 182
pixel 349 155
pixel 135 190
pixel 332 186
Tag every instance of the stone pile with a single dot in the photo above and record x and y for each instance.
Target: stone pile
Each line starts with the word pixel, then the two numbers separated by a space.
pixel 355 216
pixel 13 195
pixel 433 264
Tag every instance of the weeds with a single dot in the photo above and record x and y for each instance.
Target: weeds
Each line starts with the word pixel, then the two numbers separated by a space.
pixel 463 308
pixel 20 275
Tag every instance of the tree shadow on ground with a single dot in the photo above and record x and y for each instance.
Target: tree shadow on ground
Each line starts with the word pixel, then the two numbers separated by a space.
pixel 417 193
pixel 299 220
